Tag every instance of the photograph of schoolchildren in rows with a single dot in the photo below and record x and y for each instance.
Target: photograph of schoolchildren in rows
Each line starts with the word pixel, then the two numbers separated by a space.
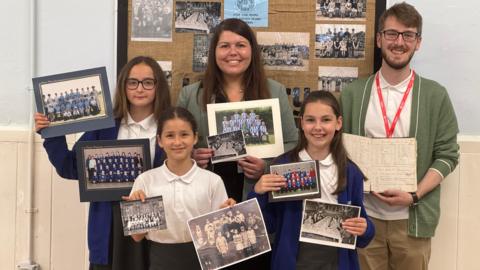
pixel 152 20
pixel 341 10
pixel 141 217
pixel 229 235
pixel 227 146
pixel 196 17
pixel 340 41
pixel 334 79
pixel 301 181
pixel 201 42
pixel 284 50
pixel 295 93
pixel 322 224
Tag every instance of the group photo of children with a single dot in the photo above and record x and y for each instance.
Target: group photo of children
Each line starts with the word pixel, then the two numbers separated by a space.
pixel 256 124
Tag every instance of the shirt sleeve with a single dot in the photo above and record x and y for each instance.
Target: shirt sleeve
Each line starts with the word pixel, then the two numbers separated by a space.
pixel 219 194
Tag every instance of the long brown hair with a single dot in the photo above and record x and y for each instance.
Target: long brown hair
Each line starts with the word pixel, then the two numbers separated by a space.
pixel 254 80
pixel 162 92
pixel 404 13
pixel 337 149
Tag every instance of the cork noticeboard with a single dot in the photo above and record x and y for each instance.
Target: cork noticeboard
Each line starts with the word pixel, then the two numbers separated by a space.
pixel 306 17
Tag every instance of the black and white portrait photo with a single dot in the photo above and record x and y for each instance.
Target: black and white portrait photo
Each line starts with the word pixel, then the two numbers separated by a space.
pixel 167 71
pixel 334 79
pixel 227 146
pixel 230 235
pixel 340 41
pixel 284 50
pixel 152 20
pixel 322 224
pixel 141 217
pixel 341 10
pixel 259 120
pixel 301 181
pixel 201 42
pixel 197 17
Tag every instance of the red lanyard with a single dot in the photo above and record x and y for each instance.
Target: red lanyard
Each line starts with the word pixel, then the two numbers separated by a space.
pixel 389 130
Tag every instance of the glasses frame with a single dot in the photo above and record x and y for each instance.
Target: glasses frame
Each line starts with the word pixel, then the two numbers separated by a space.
pixel 140 82
pixel 417 35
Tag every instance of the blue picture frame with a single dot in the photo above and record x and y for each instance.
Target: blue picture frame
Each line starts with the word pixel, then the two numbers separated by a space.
pixel 88 107
pixel 109 180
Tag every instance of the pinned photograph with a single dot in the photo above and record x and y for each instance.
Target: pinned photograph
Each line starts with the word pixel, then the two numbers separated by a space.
pixel 201 43
pixel 284 50
pixel 334 79
pixel 352 10
pixel 258 119
pixel 227 146
pixel 76 101
pixel 340 41
pixel 141 217
pixel 197 17
pixel 229 235
pixel 152 20
pixel 322 224
pixel 167 71
pixel 253 12
pixel 108 169
pixel 301 181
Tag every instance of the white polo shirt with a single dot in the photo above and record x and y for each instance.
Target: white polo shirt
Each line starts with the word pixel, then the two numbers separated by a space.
pixel 375 128
pixel 328 176
pixel 145 129
pixel 196 193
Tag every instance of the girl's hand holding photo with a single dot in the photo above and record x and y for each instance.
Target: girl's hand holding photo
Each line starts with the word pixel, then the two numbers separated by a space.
pixel 269 182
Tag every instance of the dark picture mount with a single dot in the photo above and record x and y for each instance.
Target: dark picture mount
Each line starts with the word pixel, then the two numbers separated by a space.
pixel 122 33
pixel 96 190
pixel 69 117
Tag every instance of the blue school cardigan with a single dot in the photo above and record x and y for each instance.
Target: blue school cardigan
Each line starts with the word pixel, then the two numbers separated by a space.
pixel 100 213
pixel 284 220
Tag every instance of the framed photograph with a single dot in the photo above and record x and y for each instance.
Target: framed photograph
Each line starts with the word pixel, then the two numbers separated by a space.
pixel 142 217
pixel 301 181
pixel 76 101
pixel 107 169
pixel 258 119
pixel 322 224
pixel 230 235
pixel 227 146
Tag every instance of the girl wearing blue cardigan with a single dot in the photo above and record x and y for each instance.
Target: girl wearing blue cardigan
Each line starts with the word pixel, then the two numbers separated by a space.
pixel 341 181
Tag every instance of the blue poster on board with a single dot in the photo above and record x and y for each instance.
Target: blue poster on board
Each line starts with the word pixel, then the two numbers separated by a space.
pixel 253 12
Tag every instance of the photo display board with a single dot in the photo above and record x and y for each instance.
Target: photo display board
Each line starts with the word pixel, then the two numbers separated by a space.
pixel 308 44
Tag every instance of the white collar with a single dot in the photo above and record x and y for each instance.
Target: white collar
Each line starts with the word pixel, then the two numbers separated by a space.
pixel 186 178
pixel 401 86
pixel 146 123
pixel 304 156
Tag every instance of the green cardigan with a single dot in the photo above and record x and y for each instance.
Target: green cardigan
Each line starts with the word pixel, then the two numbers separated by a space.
pixel 190 98
pixel 433 124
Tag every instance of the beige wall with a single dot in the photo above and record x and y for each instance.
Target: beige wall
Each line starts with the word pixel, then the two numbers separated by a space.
pixel 59 232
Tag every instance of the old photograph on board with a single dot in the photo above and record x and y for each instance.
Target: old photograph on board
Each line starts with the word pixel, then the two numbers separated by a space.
pixel 285 50
pixel 301 181
pixel 196 17
pixel 167 71
pixel 229 235
pixel 73 102
pixel 334 79
pixel 201 42
pixel 141 217
pixel 322 224
pixel 353 10
pixel 258 119
pixel 339 41
pixel 152 20
pixel 227 146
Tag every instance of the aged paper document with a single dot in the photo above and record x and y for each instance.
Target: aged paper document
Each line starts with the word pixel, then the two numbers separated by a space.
pixel 387 163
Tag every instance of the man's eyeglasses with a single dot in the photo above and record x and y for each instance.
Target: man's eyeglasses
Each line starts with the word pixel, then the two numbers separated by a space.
pixel 148 84
pixel 392 35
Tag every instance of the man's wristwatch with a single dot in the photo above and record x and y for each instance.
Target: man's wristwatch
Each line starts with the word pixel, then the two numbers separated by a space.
pixel 415 198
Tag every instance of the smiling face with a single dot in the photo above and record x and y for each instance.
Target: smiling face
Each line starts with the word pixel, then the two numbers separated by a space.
pixel 398 53
pixel 140 98
pixel 233 54
pixel 319 124
pixel 177 139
